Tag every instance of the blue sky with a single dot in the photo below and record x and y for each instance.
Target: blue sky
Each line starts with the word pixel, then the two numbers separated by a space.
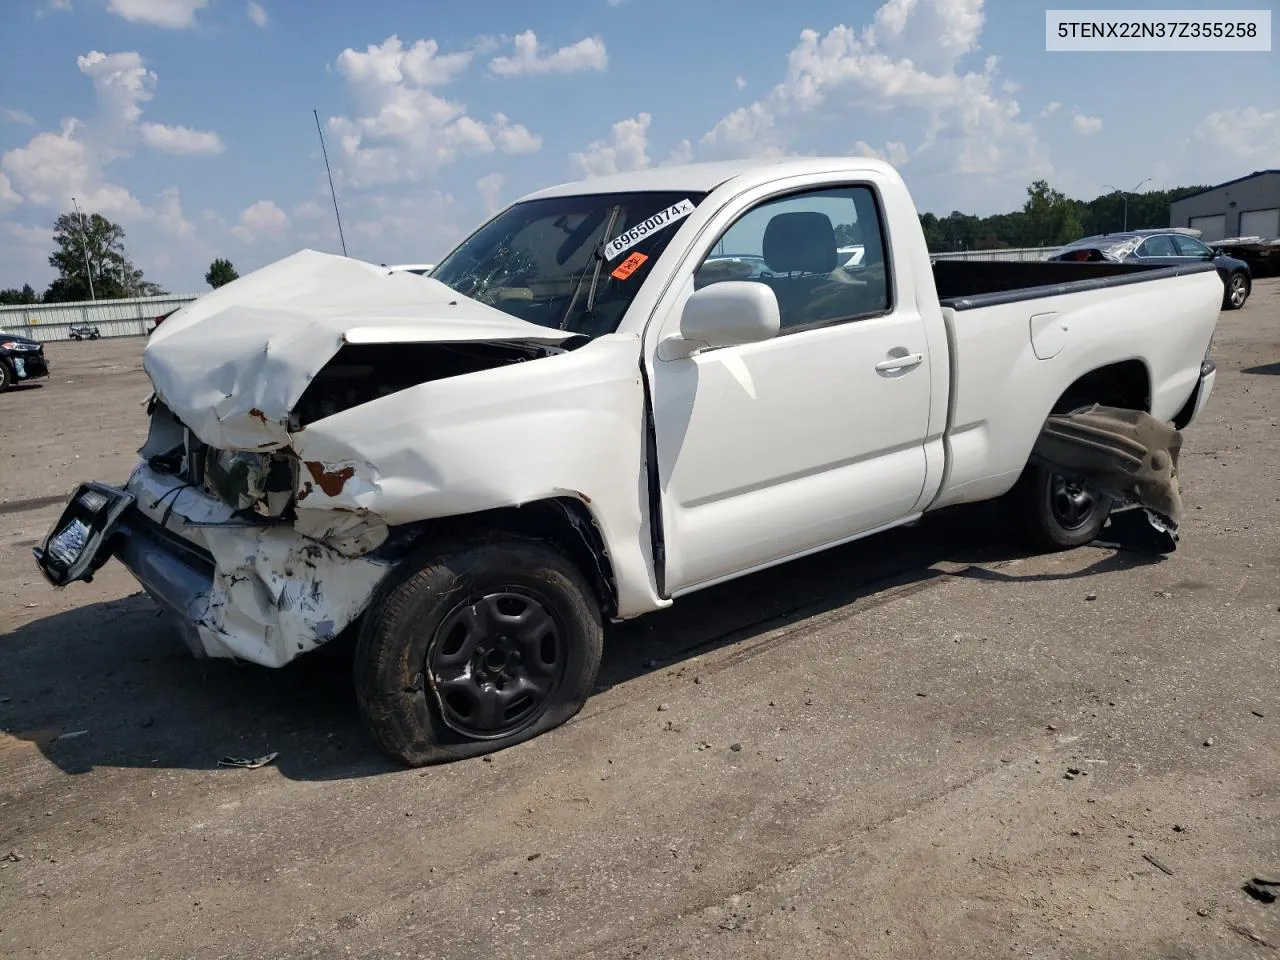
pixel 189 121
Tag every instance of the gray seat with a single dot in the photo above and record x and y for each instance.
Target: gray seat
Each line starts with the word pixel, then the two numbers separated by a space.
pixel 800 249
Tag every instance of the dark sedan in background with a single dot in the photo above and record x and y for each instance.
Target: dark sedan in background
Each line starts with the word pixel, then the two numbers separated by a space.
pixel 21 359
pixel 1163 248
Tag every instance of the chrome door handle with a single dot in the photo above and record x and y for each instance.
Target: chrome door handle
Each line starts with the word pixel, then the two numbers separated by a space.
pixel 900 363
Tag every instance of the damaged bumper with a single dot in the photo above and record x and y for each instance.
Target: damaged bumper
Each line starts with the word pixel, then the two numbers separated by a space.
pixel 1125 454
pixel 258 592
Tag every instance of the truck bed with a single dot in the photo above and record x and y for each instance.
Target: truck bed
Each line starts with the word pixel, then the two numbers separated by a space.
pixel 1089 315
pixel 968 284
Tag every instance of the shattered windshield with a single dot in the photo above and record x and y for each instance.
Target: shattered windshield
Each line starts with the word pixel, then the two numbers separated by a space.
pixel 569 263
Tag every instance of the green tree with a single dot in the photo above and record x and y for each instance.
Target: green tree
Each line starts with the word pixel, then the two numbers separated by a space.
pixel 221 272
pixel 1050 218
pixel 92 247
pixel 14 296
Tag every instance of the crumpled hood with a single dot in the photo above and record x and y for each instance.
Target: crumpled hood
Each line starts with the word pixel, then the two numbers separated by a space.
pixel 233 364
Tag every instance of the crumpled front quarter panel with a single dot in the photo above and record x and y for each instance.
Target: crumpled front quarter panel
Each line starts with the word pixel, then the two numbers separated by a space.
pixel 565 425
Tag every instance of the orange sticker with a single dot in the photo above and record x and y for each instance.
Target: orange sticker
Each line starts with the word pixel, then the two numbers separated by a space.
pixel 629 266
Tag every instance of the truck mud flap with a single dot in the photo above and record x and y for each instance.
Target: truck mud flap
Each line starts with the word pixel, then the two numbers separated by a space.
pixel 1125 454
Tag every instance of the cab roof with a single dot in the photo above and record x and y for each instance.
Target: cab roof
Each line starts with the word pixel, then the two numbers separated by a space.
pixel 705 177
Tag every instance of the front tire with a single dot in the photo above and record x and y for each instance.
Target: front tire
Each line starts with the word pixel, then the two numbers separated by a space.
pixel 1237 292
pixel 6 375
pixel 488 643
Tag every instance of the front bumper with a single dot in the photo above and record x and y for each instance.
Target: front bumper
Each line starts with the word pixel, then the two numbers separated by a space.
pixel 257 592
pixel 28 366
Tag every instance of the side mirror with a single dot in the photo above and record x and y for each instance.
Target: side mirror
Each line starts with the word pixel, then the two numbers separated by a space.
pixel 724 315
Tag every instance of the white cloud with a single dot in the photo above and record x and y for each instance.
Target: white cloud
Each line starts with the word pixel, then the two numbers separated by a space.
pixel 894 153
pixel 8 196
pixel 169 216
pixel 1083 124
pixel 179 140
pixel 1244 139
pixel 256 13
pixel 1050 108
pixel 489 187
pixel 401 129
pixel 514 137
pixel 260 220
pixel 173 14
pixel 121 83
pixel 626 149
pixel 54 6
pixel 17 116
pixel 587 54
pixel 906 61
pixel 52 167
pixel 310 210
pixel 682 153
pixel 418 227
pixel 390 63
pixel 740 82
pixel 616 3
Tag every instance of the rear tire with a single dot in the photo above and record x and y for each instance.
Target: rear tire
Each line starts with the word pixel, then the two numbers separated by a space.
pixel 486 644
pixel 1051 513
pixel 1237 292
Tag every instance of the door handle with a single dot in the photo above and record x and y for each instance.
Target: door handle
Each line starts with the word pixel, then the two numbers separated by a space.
pixel 900 363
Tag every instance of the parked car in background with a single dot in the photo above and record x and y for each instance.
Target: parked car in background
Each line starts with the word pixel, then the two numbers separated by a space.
pixel 84 331
pixel 1165 248
pixel 21 359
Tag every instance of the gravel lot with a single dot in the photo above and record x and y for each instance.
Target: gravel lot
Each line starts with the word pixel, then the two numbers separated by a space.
pixel 864 754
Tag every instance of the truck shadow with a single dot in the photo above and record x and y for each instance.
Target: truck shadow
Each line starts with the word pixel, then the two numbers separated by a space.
pixel 115 678
pixel 1264 369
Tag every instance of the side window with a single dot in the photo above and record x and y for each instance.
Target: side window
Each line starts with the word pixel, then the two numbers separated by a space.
pixel 1160 245
pixel 822 252
pixel 1190 246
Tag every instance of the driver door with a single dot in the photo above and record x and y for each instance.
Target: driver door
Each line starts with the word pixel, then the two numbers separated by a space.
pixel 770 450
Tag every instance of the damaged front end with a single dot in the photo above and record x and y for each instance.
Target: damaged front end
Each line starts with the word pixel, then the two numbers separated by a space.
pixel 1127 455
pixel 239 523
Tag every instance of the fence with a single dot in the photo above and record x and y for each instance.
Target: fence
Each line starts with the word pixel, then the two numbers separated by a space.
pixel 1011 253
pixel 113 318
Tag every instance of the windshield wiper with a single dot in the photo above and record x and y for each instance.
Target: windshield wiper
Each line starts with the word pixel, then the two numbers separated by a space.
pixel 594 265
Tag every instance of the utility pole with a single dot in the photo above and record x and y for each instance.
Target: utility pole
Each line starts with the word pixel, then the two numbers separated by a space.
pixel 88 268
pixel 1125 197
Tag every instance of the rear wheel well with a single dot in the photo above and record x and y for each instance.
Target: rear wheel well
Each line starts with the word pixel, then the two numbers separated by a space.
pixel 565 522
pixel 1125 384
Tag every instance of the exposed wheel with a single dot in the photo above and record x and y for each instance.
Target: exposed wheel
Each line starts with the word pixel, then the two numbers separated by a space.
pixel 6 375
pixel 487 644
pixel 1237 292
pixel 1052 513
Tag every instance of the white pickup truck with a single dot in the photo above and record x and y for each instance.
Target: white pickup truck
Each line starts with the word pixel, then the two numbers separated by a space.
pixel 613 393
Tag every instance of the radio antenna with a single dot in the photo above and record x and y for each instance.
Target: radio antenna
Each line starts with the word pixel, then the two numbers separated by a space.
pixel 337 216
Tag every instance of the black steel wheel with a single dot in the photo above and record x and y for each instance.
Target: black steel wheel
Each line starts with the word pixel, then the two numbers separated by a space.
pixel 475 647
pixel 1071 504
pixel 1053 512
pixel 495 662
